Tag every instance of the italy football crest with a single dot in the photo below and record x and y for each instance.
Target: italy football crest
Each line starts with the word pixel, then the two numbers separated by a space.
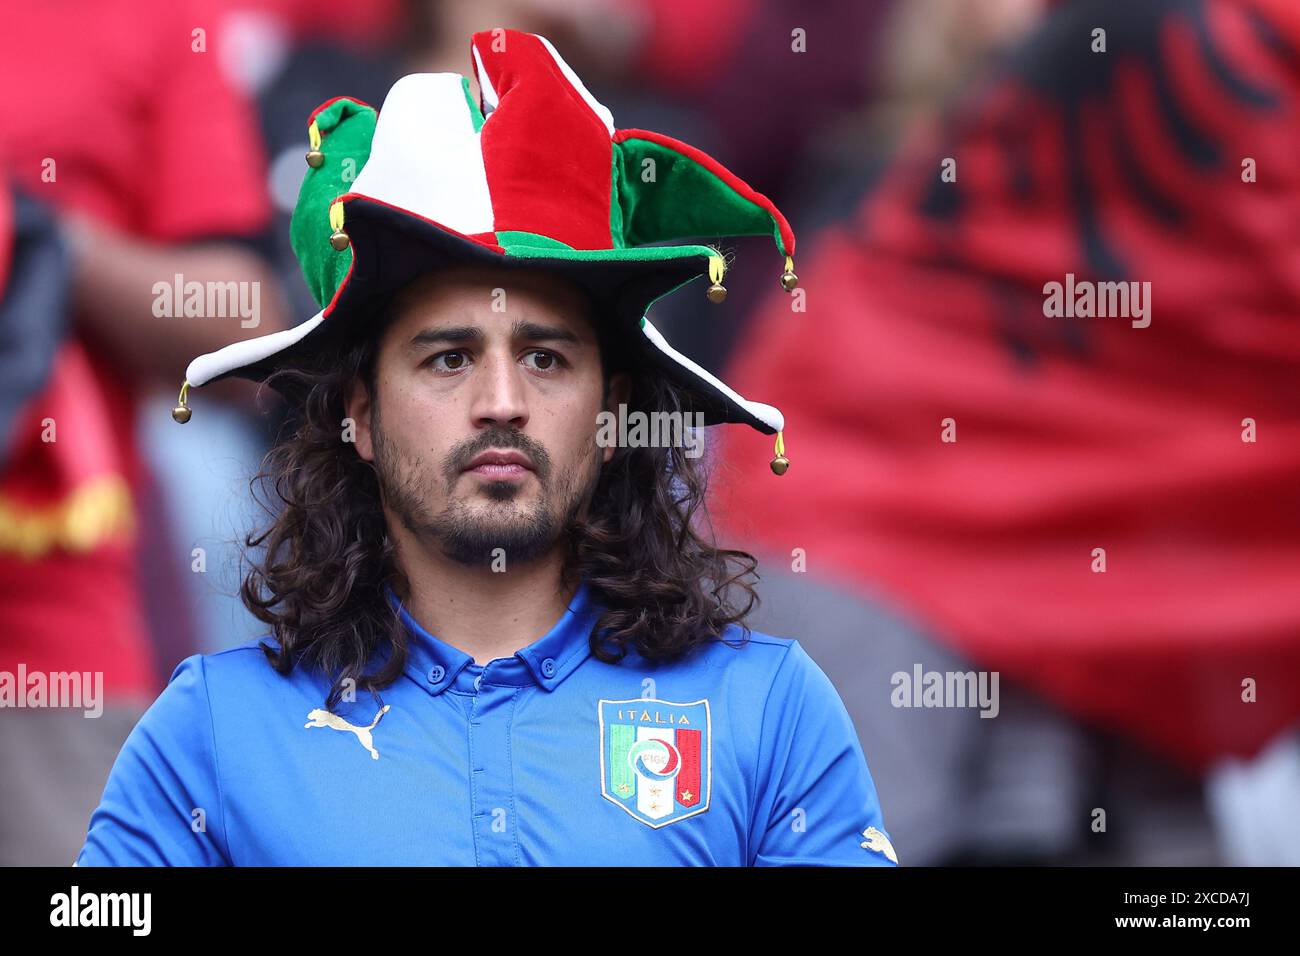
pixel 654 758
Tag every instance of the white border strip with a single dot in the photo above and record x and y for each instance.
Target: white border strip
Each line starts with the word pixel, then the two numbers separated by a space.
pixel 599 108
pixel 766 414
pixel 488 91
pixel 238 354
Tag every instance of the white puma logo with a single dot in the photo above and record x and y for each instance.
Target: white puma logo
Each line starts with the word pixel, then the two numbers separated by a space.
pixel 323 718
pixel 879 842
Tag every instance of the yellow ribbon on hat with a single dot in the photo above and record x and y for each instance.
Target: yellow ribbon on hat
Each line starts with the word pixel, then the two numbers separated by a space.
pixel 780 463
pixel 789 281
pixel 315 158
pixel 338 238
pixel 717 268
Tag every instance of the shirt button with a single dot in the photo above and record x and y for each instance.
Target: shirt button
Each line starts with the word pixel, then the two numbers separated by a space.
pixel 548 667
pixel 436 674
pixel 477 681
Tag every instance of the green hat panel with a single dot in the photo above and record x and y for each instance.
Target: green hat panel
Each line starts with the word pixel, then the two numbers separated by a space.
pixel 341 132
pixel 666 191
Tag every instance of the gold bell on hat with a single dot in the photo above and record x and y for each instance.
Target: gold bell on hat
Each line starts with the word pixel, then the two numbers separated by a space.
pixel 181 412
pixel 789 281
pixel 716 292
pixel 780 463
pixel 338 238
pixel 315 158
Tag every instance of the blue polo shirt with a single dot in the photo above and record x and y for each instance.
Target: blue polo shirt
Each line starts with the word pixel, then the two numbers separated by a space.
pixel 735 756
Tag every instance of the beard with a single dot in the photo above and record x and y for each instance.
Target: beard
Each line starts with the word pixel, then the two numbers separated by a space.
pixel 471 533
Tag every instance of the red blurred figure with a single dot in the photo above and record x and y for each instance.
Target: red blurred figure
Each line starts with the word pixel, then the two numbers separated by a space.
pixel 126 127
pixel 1169 159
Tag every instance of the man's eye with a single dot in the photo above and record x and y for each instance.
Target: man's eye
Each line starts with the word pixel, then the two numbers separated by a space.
pixel 455 361
pixel 545 361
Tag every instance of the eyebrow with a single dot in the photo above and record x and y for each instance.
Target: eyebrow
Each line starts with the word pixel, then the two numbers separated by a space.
pixel 462 334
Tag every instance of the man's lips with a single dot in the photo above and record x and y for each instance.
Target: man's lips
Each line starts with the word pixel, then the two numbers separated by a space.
pixel 500 464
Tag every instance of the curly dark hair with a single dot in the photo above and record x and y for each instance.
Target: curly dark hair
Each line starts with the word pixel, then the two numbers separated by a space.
pixel 316 572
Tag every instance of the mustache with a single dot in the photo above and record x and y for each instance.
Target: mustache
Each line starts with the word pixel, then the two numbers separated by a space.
pixel 504 438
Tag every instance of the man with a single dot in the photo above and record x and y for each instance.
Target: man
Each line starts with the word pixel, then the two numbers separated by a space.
pixel 498 637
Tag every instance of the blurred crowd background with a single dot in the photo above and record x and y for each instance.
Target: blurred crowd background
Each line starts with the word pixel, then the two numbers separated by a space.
pixel 940 161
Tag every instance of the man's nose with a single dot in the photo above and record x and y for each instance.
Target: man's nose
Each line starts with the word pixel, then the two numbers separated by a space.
pixel 499 395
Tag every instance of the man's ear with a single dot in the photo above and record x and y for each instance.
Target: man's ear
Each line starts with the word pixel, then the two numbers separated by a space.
pixel 357 408
pixel 620 393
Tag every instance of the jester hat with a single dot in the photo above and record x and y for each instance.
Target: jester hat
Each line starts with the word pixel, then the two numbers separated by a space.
pixel 535 175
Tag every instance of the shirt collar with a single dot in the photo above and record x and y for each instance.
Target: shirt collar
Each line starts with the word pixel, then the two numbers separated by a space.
pixel 437 666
